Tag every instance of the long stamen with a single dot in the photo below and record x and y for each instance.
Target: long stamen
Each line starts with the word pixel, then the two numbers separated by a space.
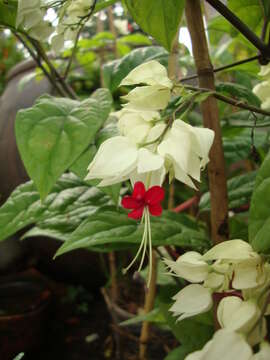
pixel 141 245
pixel 150 250
pixel 145 239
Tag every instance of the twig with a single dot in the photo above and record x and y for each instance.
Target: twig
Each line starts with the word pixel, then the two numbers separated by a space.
pixel 225 67
pixel 229 100
pixel 91 12
pixel 240 26
pixel 40 65
pixel 186 204
pixel 41 52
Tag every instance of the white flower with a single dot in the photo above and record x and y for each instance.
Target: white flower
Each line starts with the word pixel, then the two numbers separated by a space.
pixel 157 92
pixel 216 281
pixel 152 97
pixel 121 26
pixel 248 274
pixel 150 73
pixel 136 125
pixel 237 315
pixel 190 267
pixel 78 9
pixel 225 345
pixel 118 158
pixel 192 300
pixel 30 17
pixel 232 250
pixel 262 90
pixel 186 148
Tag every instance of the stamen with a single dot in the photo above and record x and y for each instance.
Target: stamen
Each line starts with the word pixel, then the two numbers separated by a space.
pixel 141 245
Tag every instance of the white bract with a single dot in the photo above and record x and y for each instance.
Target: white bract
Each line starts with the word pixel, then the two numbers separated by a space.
pixel 229 266
pixel 30 16
pixel 190 267
pixel 237 315
pixel 262 90
pixel 192 300
pixel 149 148
pixel 225 345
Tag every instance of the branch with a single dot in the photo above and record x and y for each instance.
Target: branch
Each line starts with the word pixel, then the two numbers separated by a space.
pixel 240 26
pixel 42 54
pixel 231 101
pixel 40 65
pixel 225 67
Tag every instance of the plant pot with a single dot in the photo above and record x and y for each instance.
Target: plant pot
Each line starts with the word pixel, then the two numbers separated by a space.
pixel 24 305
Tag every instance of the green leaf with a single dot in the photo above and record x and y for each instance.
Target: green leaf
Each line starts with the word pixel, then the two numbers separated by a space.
pixel 8 13
pixel 179 353
pixel 79 167
pixel 158 18
pixel 107 226
pixel 55 132
pixel 115 71
pixel 70 202
pixel 153 316
pixel 239 191
pixel 249 11
pixel 135 39
pixel 239 147
pixel 259 215
pixel 240 92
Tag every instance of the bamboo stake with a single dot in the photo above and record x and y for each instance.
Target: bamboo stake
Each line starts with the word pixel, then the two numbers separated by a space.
pixel 216 167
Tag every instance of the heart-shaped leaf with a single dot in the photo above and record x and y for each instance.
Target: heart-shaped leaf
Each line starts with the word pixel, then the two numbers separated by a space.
pixel 55 132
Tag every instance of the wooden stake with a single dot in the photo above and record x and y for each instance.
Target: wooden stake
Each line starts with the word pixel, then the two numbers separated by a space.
pixel 216 166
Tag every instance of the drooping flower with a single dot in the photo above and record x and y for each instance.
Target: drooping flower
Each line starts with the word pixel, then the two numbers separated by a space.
pixel 190 267
pixel 186 149
pixel 118 159
pixel 192 300
pixel 141 198
pixel 228 267
pixel 143 203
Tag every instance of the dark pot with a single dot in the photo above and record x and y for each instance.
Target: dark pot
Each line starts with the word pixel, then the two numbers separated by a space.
pixel 23 311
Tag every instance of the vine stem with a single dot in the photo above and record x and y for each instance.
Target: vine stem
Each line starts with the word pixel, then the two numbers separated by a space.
pixel 42 54
pixel 229 100
pixel 225 67
pixel 40 65
pixel 216 166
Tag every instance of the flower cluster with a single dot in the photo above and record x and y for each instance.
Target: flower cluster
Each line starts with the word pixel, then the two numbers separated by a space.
pixel 71 15
pixel 235 274
pixel 262 90
pixel 148 147
pixel 30 16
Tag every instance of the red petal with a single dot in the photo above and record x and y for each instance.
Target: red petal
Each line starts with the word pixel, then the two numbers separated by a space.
pixel 128 202
pixel 155 210
pixel 138 191
pixel 154 195
pixel 137 213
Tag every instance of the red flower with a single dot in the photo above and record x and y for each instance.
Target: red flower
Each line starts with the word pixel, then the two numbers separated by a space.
pixel 141 198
